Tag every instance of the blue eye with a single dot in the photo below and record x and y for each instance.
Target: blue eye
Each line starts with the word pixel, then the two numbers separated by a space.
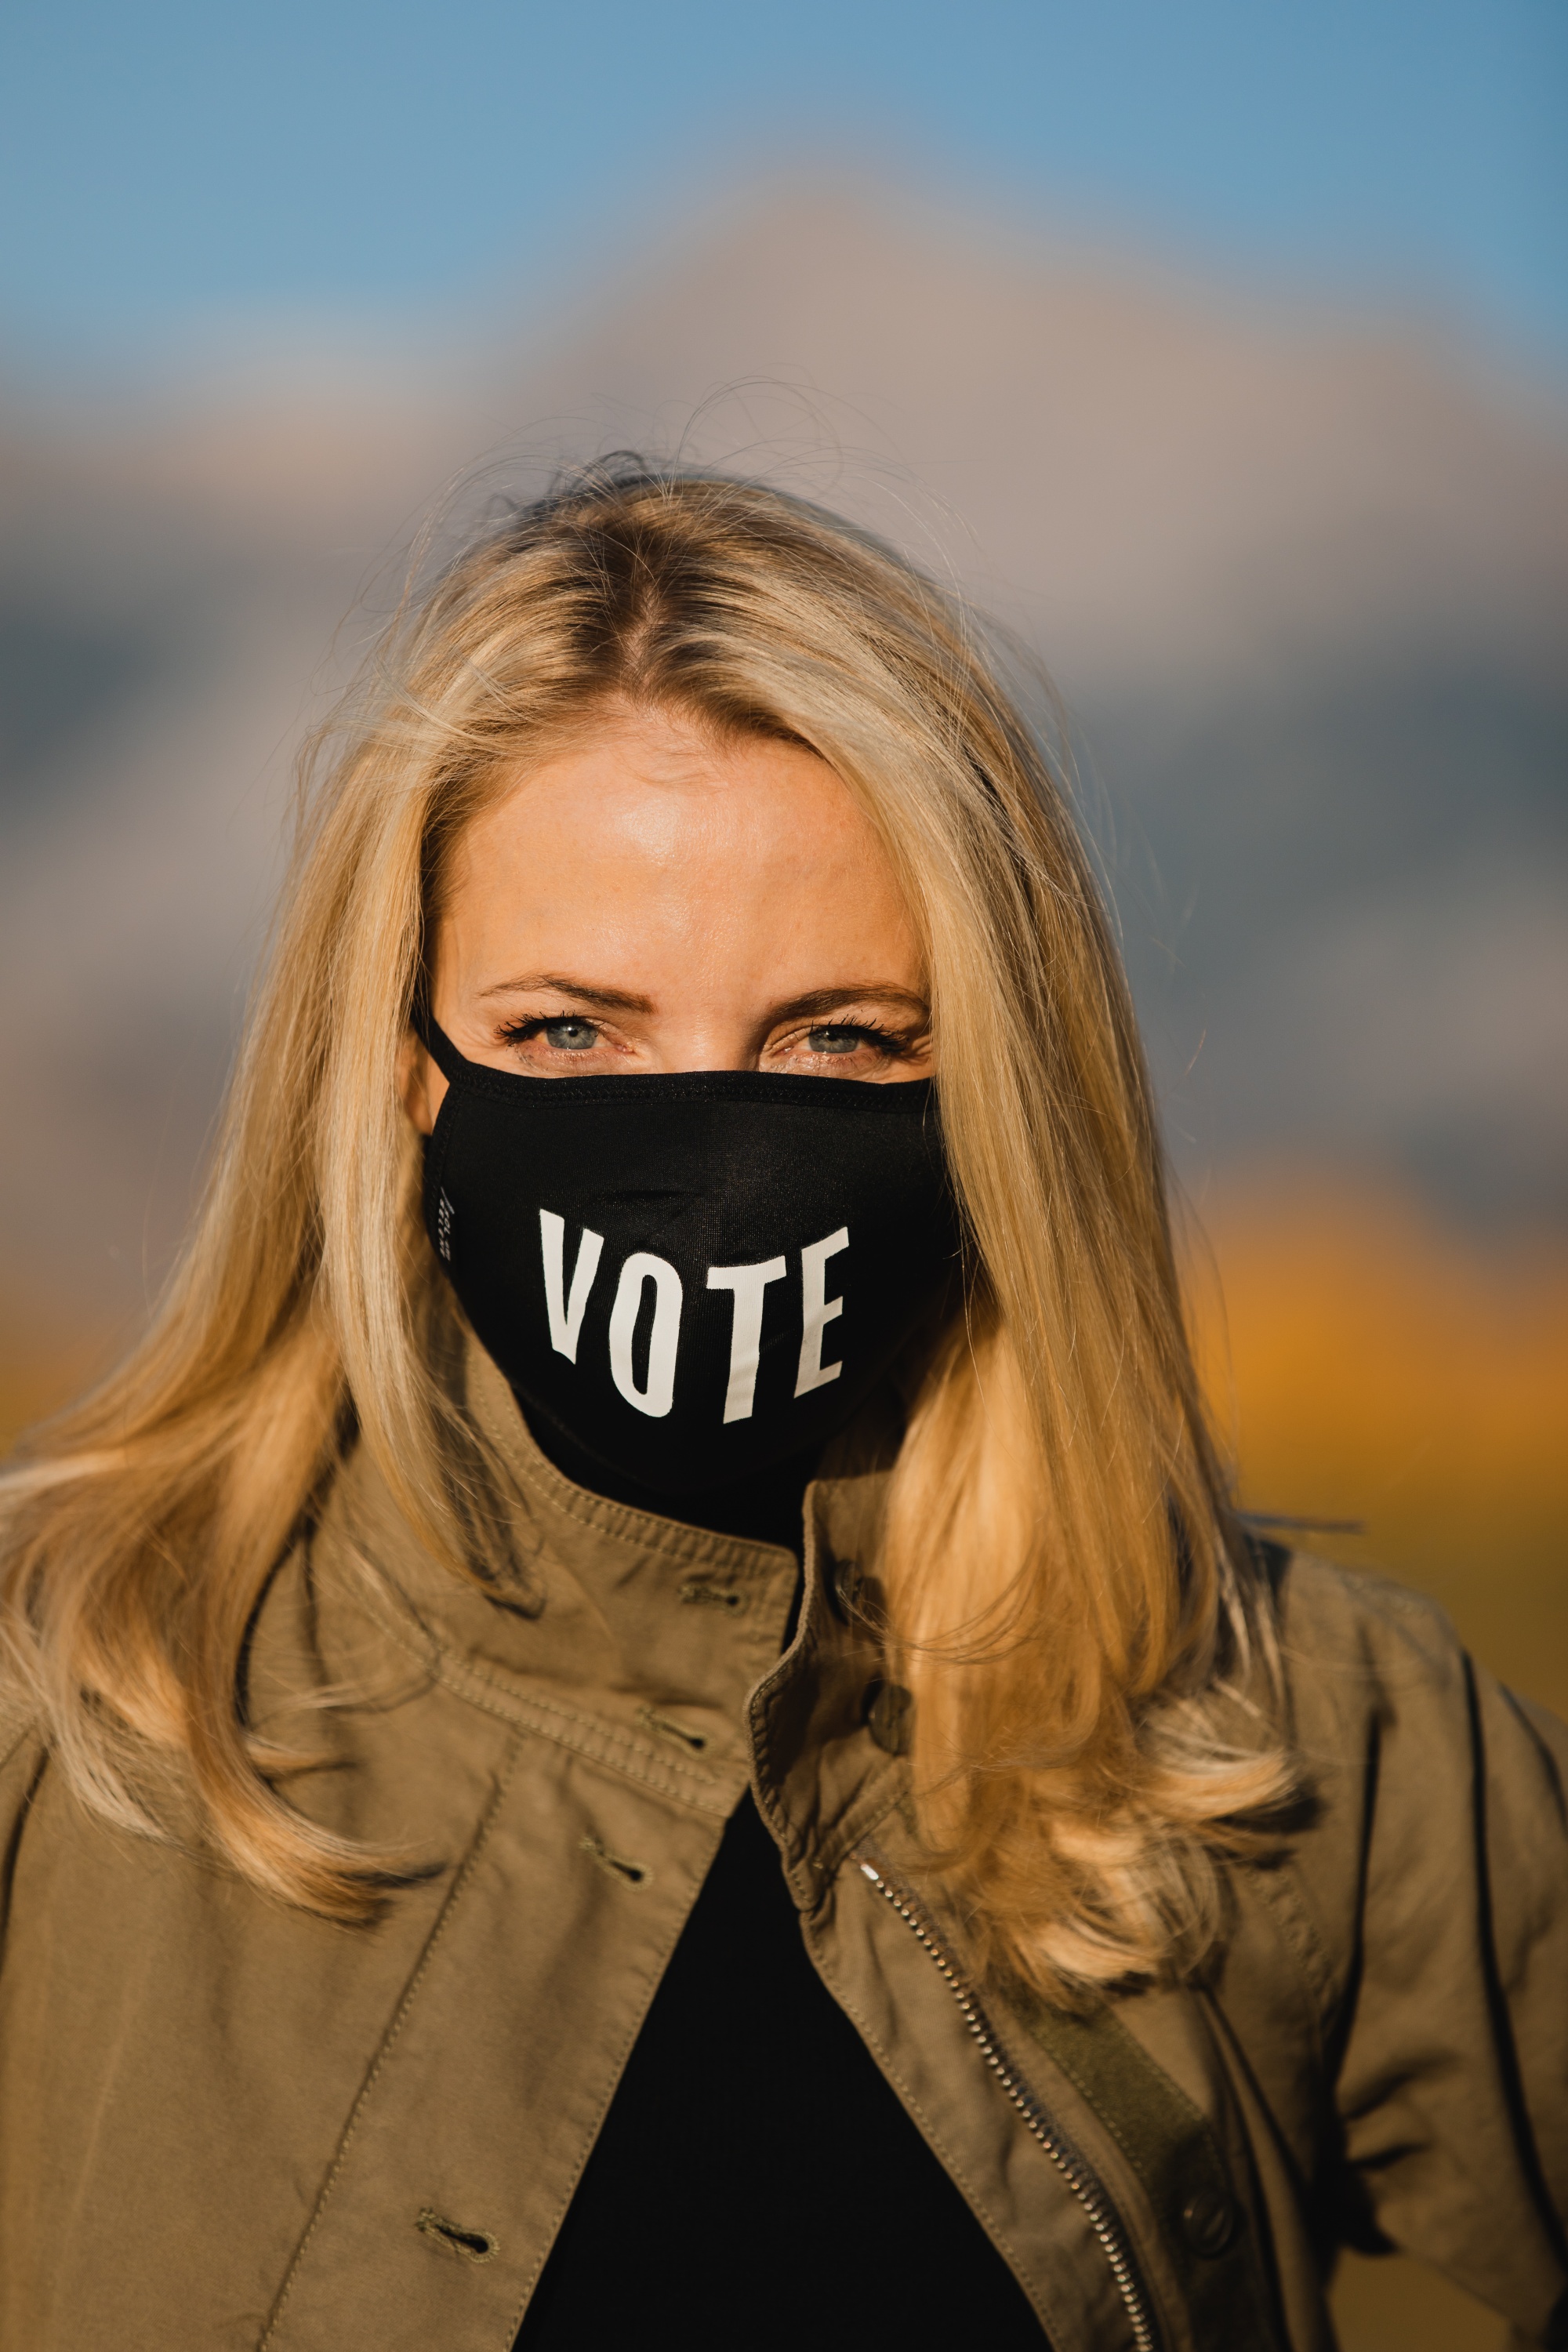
pixel 837 1040
pixel 571 1035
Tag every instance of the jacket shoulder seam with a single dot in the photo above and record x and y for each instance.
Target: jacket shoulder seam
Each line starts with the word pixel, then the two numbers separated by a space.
pixel 1276 1884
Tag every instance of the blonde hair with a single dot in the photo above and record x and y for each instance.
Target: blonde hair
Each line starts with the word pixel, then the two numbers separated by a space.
pixel 1065 1592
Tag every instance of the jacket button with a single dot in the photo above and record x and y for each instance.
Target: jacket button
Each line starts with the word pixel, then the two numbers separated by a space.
pixel 858 1598
pixel 890 1711
pixel 1209 2220
pixel 844 1588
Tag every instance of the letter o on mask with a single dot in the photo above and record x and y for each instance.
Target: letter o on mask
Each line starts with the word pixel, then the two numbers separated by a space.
pixel 641 1268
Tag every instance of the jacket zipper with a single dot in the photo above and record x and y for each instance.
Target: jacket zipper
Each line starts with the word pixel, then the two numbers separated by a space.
pixel 1080 2177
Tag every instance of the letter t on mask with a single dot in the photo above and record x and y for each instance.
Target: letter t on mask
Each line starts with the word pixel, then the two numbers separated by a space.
pixel 748 1283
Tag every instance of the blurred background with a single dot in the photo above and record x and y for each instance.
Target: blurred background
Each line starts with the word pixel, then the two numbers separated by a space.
pixel 1220 346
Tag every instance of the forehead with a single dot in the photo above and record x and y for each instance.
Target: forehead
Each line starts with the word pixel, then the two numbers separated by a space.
pixel 664 751
pixel 661 785
pixel 655 837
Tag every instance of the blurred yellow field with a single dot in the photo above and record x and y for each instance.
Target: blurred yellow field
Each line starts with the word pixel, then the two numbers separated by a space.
pixel 1367 1364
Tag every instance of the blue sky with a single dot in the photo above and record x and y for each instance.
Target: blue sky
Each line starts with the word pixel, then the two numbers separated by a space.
pixel 170 163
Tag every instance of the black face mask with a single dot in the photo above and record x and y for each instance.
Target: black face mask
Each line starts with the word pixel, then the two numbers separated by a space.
pixel 691 1277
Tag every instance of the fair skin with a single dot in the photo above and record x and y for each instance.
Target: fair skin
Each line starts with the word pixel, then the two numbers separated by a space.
pixel 655 898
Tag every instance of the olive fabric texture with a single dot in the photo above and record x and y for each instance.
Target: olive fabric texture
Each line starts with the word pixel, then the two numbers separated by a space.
pixel 692 1277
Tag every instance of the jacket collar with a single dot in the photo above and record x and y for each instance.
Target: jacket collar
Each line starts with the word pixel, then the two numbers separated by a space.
pixel 667 1632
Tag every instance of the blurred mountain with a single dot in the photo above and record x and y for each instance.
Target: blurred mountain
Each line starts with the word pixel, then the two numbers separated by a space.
pixel 1303 579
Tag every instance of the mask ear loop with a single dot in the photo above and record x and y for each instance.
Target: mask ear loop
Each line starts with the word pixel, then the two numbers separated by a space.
pixel 436 1042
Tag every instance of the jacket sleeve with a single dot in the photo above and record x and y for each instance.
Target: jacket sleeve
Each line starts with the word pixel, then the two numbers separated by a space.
pixel 1438 1881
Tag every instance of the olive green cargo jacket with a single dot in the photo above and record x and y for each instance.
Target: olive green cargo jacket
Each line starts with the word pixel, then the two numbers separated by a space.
pixel 226 2123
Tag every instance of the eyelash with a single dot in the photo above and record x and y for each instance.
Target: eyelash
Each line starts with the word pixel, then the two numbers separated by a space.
pixel 519 1033
pixel 884 1040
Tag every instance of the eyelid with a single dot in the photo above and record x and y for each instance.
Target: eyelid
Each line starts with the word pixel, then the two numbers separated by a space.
pixel 848 1020
pixel 528 1025
pixel 890 1043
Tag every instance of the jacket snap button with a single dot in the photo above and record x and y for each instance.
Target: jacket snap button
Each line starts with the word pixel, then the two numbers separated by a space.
pixel 890 1716
pixel 1208 2220
pixel 843 1589
pixel 858 1598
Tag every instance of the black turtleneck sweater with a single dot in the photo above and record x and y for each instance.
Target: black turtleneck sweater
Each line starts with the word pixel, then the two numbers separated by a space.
pixel 757 2182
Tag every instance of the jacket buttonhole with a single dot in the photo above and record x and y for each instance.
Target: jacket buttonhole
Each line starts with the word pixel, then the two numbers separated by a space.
pixel 666 1728
pixel 448 2238
pixel 615 1865
pixel 699 1594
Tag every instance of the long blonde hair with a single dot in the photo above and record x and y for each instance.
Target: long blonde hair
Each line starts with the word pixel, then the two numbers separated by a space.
pixel 1064 1589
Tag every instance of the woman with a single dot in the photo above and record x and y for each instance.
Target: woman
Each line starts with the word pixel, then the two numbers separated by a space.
pixel 643 1715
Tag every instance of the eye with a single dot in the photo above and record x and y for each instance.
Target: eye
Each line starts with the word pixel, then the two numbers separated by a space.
pixel 835 1039
pixel 570 1035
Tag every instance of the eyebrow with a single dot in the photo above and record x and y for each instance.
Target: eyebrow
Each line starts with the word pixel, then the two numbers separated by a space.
pixel 816 1001
pixel 560 983
pixel 825 1000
